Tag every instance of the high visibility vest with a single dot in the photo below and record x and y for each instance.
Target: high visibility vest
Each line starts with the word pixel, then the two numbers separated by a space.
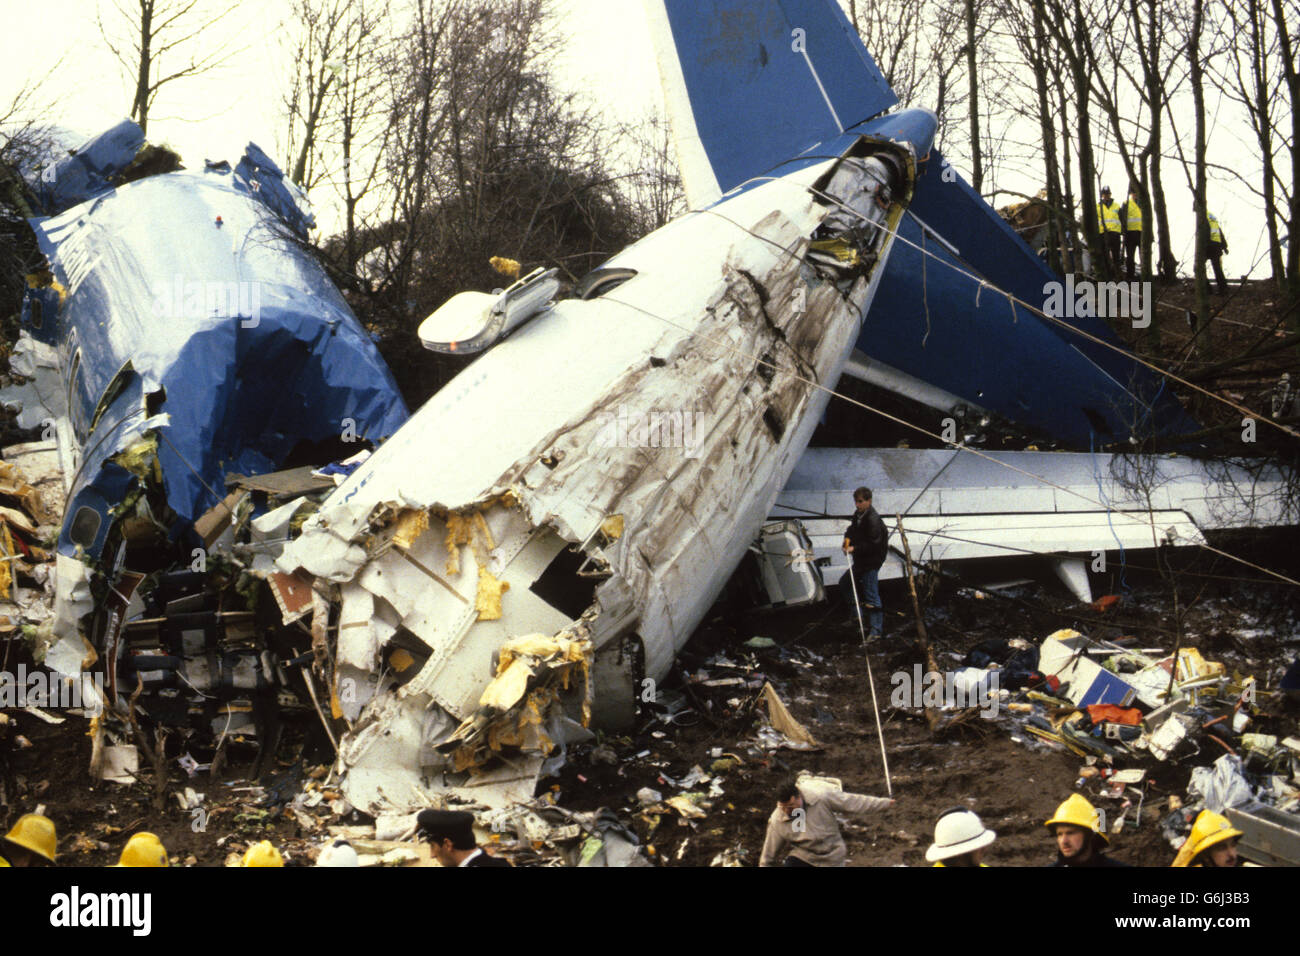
pixel 1133 215
pixel 1108 217
pixel 1216 234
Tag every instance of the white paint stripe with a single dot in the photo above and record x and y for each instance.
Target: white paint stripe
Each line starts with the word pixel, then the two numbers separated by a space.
pixel 813 70
pixel 698 178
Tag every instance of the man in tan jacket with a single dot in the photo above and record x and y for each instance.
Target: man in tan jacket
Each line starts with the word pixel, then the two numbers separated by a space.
pixel 804 825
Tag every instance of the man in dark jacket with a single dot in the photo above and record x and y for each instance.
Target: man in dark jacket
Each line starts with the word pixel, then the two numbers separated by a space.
pixel 451 836
pixel 867 542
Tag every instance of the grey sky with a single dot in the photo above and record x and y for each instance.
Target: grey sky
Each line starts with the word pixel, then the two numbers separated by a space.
pixel 608 58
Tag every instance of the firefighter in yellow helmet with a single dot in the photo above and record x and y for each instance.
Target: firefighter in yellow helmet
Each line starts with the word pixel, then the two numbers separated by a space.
pixel 262 854
pixel 143 849
pixel 31 842
pixel 1076 825
pixel 1213 842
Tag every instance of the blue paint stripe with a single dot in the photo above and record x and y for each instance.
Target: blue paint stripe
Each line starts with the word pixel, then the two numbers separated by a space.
pixel 754 100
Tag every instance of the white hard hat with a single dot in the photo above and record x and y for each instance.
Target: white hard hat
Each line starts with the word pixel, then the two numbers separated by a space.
pixel 340 854
pixel 958 831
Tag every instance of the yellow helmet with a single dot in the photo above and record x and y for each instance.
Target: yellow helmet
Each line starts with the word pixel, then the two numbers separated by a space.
pixel 262 854
pixel 1210 828
pixel 143 849
pixel 35 832
pixel 1078 812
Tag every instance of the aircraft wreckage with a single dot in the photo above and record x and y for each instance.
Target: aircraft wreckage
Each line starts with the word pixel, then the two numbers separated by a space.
pixel 540 539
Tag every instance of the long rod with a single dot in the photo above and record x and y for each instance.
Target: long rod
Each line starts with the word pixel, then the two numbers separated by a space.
pixel 880 731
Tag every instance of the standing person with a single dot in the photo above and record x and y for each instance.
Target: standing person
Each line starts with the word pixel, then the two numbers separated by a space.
pixel 959 839
pixel 32 841
pixel 1108 222
pixel 1076 825
pixel 1212 842
pixel 451 835
pixel 804 824
pixel 1215 248
pixel 1132 232
pixel 867 543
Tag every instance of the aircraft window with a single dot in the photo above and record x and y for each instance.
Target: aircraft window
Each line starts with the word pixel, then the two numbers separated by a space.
pixel 85 526
pixel 76 411
pixel 114 389
pixel 595 284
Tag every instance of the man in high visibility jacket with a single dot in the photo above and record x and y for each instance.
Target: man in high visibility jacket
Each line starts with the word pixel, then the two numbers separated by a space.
pixel 1215 248
pixel 1132 232
pixel 1108 222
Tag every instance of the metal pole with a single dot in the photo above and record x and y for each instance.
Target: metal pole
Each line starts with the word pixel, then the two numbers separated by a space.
pixel 880 731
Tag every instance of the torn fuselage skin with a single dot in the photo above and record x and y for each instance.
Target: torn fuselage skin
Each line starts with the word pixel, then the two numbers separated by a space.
pixel 592 480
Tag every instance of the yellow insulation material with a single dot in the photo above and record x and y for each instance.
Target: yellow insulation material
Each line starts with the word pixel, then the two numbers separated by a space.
pixel 141 458
pixel 410 525
pixel 488 599
pixel 458 533
pixel 6 567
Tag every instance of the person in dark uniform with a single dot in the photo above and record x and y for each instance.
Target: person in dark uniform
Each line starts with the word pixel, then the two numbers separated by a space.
pixel 867 542
pixel 451 835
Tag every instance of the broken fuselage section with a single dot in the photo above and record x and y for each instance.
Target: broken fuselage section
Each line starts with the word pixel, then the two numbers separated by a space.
pixel 181 335
pixel 531 550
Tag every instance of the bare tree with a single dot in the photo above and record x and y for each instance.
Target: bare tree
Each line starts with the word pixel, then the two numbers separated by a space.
pixel 158 42
pixel 1248 76
pixel 1202 223
pixel 338 117
pixel 655 185
pixel 1286 19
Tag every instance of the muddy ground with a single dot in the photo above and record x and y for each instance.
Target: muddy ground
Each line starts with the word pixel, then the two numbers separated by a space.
pixel 820 670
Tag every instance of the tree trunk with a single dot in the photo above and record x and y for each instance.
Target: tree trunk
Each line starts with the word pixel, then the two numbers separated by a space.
pixel 977 164
pixel 1051 169
pixel 1087 168
pixel 1292 75
pixel 140 107
pixel 1202 223
pixel 1264 130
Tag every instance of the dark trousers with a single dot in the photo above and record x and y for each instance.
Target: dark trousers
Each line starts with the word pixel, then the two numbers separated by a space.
pixel 1132 241
pixel 1110 243
pixel 868 580
pixel 1214 252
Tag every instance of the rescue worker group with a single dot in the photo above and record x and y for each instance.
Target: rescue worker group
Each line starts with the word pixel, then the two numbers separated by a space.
pixel 802 831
